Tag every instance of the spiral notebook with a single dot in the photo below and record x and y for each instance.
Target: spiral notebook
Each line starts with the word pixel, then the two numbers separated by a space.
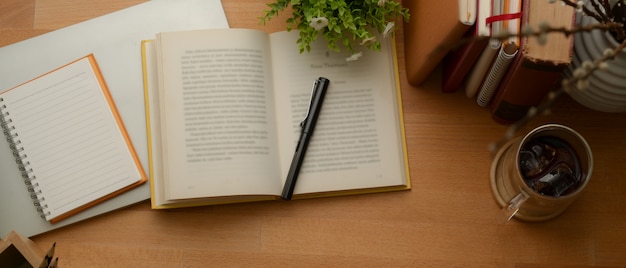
pixel 68 140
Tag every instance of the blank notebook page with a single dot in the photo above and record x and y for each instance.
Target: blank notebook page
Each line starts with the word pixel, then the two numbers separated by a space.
pixel 70 139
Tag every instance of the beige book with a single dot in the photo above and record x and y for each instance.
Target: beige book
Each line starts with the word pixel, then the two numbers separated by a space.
pixel 224 108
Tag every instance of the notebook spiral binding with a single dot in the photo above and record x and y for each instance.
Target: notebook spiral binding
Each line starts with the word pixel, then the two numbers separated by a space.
pixel 21 159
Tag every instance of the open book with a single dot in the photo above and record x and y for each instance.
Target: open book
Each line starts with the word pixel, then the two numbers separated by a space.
pixel 68 140
pixel 224 108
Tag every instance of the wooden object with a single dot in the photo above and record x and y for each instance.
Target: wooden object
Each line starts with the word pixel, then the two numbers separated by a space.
pixel 16 250
pixel 446 220
pixel 432 24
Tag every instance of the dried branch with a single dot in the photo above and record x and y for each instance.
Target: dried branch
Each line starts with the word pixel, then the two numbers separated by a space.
pixel 610 19
pixel 578 82
pixel 504 35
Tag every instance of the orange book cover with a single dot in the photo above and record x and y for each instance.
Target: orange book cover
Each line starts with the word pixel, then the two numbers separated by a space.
pixel 432 24
pixel 61 173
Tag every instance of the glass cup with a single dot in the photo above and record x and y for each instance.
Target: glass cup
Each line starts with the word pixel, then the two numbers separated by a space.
pixel 536 177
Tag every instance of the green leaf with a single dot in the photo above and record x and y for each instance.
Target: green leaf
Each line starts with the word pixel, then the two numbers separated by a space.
pixel 348 20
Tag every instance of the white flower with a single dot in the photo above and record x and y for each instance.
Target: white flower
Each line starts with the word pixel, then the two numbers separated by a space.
pixel 527 30
pixel 608 52
pixel 552 95
pixel 579 73
pixel 389 28
pixel 319 22
pixel 603 66
pixel 510 133
pixel 368 40
pixel 566 84
pixel 547 111
pixel 501 34
pixel 544 26
pixel 354 56
pixel 582 84
pixel 587 65
pixel 382 3
pixel 579 6
pixel 542 39
pixel 532 112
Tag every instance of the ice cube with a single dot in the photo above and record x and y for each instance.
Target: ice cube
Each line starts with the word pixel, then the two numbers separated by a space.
pixel 559 181
pixel 550 166
pixel 535 158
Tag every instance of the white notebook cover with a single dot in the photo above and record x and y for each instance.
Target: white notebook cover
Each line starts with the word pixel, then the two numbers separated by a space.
pixel 115 40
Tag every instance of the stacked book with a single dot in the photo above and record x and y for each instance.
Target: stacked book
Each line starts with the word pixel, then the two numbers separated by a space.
pixel 505 75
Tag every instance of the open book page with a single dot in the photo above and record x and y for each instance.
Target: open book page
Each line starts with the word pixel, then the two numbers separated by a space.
pixel 358 141
pixel 217 117
pixel 70 138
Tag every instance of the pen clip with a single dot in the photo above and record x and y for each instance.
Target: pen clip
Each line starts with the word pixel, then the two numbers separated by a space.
pixel 313 90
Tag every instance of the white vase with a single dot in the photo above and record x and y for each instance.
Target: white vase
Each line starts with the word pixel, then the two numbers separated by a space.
pixel 607 89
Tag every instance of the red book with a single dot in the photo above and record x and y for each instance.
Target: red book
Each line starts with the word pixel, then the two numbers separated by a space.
pixel 537 68
pixel 480 54
pixel 458 62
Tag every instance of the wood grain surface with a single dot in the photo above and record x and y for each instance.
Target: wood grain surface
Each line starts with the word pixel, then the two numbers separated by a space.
pixel 448 219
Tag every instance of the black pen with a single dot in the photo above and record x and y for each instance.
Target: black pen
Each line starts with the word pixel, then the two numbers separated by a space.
pixel 307 126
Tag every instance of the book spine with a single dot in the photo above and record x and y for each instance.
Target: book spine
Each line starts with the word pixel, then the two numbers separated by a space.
pixel 422 41
pixel 457 64
pixel 497 71
pixel 21 159
pixel 526 84
pixel 479 70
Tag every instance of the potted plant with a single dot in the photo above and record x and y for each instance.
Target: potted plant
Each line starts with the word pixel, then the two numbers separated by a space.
pixel 343 24
pixel 600 50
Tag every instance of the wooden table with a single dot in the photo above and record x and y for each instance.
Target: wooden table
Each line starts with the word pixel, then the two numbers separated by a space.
pixel 447 219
